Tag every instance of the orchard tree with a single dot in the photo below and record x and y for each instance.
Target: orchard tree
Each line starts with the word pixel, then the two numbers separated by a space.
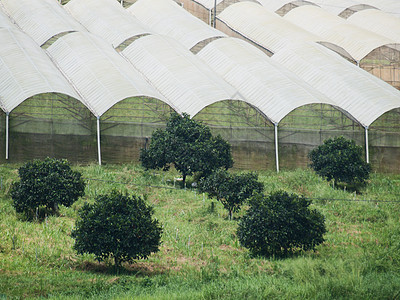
pixel 280 224
pixel 232 190
pixel 340 159
pixel 189 146
pixel 46 184
pixel 117 226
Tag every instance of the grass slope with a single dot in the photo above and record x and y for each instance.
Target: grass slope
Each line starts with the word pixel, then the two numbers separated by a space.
pixel 200 257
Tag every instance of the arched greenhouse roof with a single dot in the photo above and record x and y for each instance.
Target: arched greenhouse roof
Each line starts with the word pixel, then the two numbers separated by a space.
pixel 261 81
pixel 98 72
pixel 168 18
pixel 106 18
pixel 26 70
pixel 363 95
pixel 5 21
pixel 389 6
pixel 178 74
pixel 336 7
pixel 377 21
pixel 357 41
pixel 274 5
pixel 209 4
pixel 263 26
pixel 41 19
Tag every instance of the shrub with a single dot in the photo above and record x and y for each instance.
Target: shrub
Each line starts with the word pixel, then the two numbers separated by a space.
pixel 230 189
pixel 189 146
pixel 340 159
pixel 280 224
pixel 46 184
pixel 117 226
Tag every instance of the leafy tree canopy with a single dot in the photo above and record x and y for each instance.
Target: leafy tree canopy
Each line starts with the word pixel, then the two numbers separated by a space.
pixel 280 224
pixel 189 146
pixel 47 184
pixel 340 159
pixel 232 190
pixel 117 226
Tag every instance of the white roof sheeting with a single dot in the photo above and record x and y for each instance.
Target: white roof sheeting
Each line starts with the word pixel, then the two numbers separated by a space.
pixel 263 27
pixel 377 21
pixel 107 19
pixel 263 83
pixel 5 21
pixel 336 7
pixel 209 4
pixel 178 74
pixel 26 70
pixel 356 41
pixel 389 6
pixel 274 5
pixel 168 18
pixel 361 94
pixel 102 77
pixel 41 19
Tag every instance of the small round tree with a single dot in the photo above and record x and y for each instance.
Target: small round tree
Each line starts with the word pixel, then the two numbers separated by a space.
pixel 340 159
pixel 232 190
pixel 47 184
pixel 189 146
pixel 117 226
pixel 280 224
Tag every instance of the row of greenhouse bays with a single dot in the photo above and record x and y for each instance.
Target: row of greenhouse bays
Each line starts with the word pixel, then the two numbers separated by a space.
pixel 59 126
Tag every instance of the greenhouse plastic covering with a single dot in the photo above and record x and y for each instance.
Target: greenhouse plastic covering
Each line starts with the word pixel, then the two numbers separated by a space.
pixel 337 6
pixel 168 18
pixel 106 18
pixel 178 74
pixel 263 26
pixel 361 94
pixel 209 4
pixel 263 82
pixel 41 19
pixel 274 5
pixel 25 70
pixel 101 75
pixel 357 41
pixel 377 21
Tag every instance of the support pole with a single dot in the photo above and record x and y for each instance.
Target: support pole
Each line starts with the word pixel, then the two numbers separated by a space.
pixel 209 17
pixel 215 11
pixel 366 144
pixel 276 147
pixel 98 140
pixel 7 132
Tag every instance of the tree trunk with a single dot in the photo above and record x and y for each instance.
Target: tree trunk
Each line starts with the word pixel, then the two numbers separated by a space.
pixel 184 179
pixel 230 215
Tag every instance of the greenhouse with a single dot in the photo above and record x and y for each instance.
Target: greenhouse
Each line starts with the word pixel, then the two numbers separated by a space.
pixel 91 80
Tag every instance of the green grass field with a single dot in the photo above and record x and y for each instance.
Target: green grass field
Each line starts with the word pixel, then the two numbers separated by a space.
pixel 200 256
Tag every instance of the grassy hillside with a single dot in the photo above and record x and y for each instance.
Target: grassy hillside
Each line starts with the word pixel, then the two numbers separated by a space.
pixel 200 257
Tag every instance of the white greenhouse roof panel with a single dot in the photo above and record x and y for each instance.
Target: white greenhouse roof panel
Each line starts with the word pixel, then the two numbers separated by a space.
pixel 357 41
pixel 5 21
pixel 336 7
pixel 377 21
pixel 209 4
pixel 261 81
pixel 389 6
pixel 263 27
pixel 274 5
pixel 98 72
pixel 41 19
pixel 178 74
pixel 26 70
pixel 106 18
pixel 356 91
pixel 168 18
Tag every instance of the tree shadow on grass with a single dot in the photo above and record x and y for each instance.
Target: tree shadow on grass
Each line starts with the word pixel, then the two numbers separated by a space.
pixel 138 269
